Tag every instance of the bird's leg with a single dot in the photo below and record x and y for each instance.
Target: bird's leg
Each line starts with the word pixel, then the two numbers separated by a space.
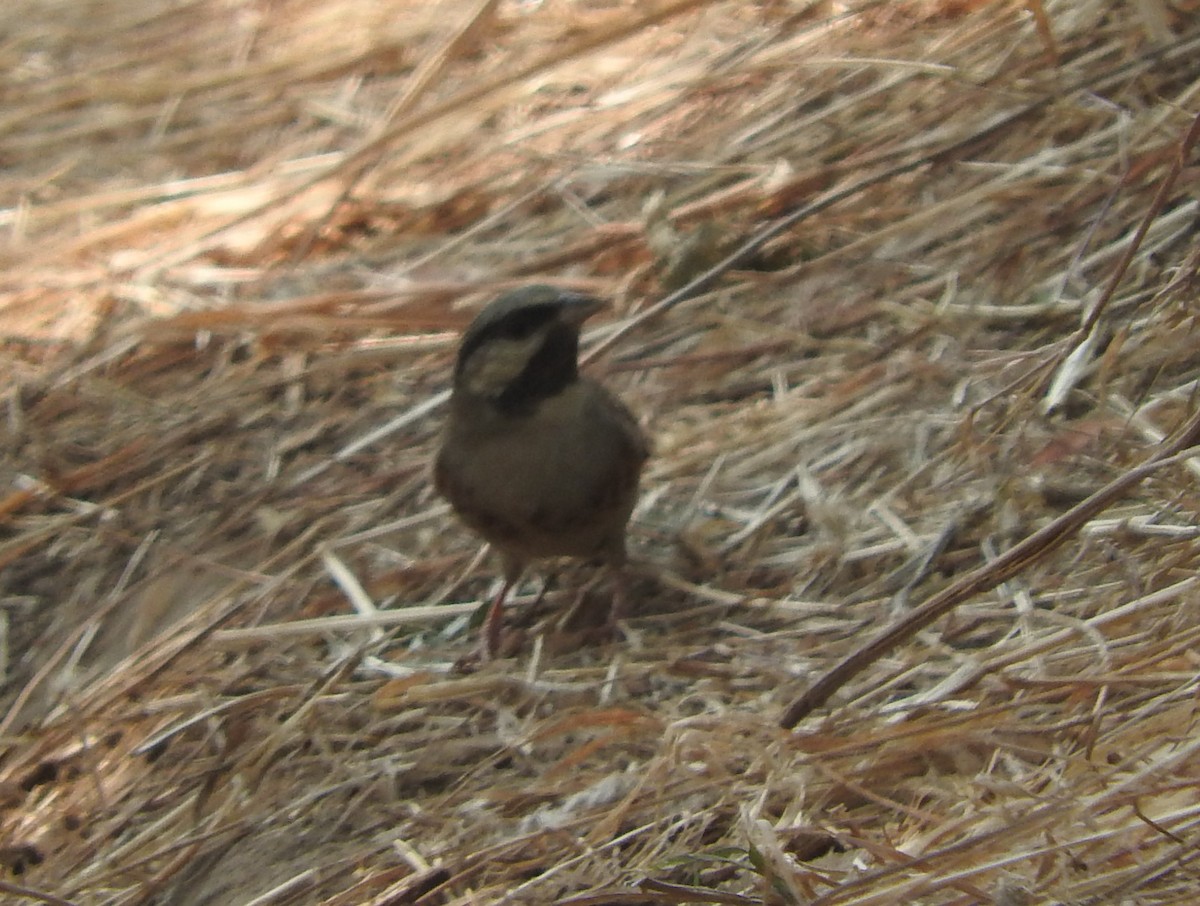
pixel 543 587
pixel 612 627
pixel 620 597
pixel 494 621
pixel 581 596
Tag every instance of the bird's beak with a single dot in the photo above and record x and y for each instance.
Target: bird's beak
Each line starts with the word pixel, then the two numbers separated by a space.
pixel 577 307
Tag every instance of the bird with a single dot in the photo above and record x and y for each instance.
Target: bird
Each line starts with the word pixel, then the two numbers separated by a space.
pixel 536 459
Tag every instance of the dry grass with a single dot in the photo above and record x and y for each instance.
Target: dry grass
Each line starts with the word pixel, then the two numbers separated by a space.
pixel 899 286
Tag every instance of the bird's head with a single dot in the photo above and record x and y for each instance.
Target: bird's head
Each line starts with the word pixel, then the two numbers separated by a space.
pixel 523 347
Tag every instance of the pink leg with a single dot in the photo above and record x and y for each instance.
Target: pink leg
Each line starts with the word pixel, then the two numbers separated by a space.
pixel 494 620
pixel 620 597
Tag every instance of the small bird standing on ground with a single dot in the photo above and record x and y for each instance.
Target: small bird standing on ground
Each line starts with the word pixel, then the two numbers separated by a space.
pixel 537 460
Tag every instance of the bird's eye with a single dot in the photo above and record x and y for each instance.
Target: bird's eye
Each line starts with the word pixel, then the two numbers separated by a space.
pixel 521 324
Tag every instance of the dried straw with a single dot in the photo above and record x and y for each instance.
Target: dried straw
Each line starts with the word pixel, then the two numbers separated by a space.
pixel 906 292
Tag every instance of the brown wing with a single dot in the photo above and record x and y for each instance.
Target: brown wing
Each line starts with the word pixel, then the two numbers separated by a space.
pixel 616 492
pixel 638 444
pixel 515 488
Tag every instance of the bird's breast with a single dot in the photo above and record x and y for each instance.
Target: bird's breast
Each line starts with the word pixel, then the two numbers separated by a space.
pixel 559 481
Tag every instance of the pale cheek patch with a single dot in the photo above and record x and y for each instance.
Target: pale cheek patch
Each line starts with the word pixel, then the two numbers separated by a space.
pixel 497 363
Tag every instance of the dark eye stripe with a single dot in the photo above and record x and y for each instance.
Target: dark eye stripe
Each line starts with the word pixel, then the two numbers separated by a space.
pixel 553 366
pixel 513 324
pixel 522 323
